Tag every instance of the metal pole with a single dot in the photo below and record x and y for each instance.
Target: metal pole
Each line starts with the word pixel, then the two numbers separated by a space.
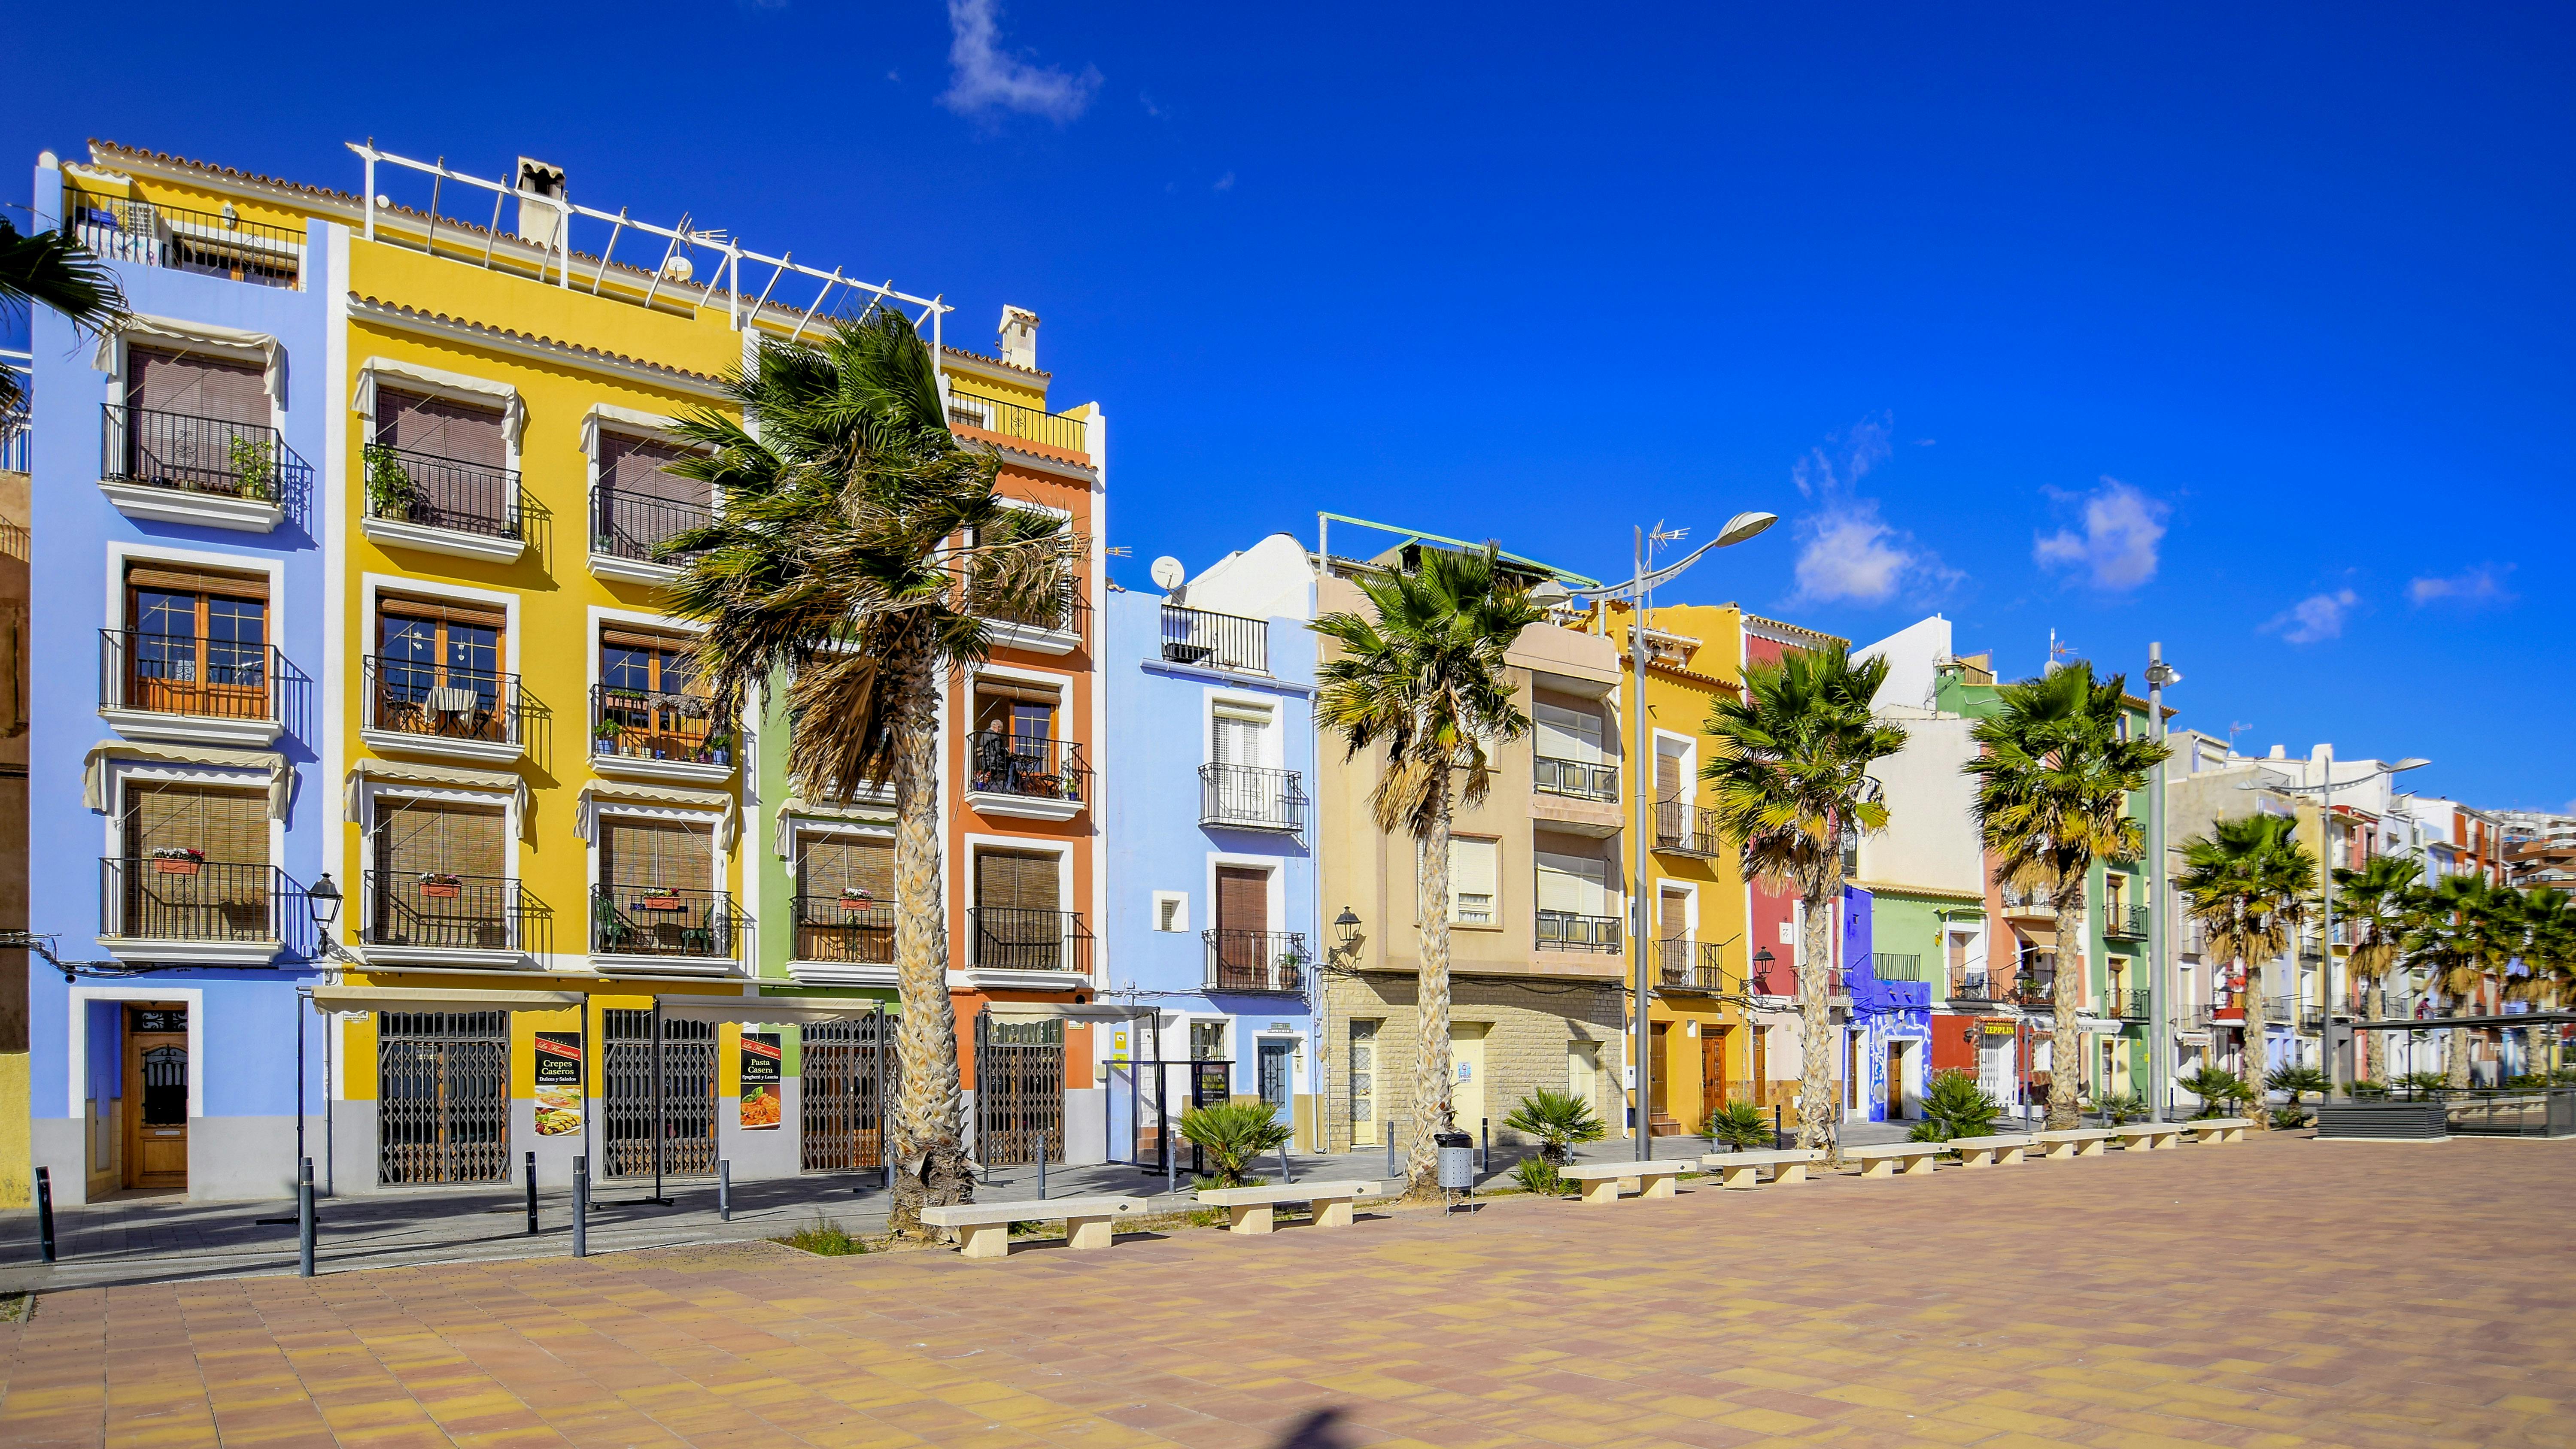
pixel 304 1218
pixel 2159 1006
pixel 658 1128
pixel 1642 1147
pixel 885 1142
pixel 724 1190
pixel 1484 1145
pixel 300 999
pixel 1389 1125
pixel 581 1206
pixel 1287 1174
pixel 532 1194
pixel 1042 1157
pixel 45 1212
pixel 2325 934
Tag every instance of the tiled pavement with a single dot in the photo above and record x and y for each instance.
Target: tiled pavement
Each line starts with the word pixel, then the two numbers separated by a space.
pixel 2277 1293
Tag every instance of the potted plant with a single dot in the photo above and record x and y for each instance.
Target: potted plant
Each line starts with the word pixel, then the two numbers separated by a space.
pixel 391 491
pixel 720 747
pixel 605 730
pixel 439 886
pixel 855 899
pixel 252 468
pixel 657 898
pixel 178 859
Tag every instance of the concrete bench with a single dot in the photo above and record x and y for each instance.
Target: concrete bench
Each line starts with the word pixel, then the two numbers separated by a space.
pixel 2073 1142
pixel 1909 1158
pixel 1988 1151
pixel 984 1229
pixel 1602 1181
pixel 2217 1129
pixel 1248 1208
pixel 1744 1169
pixel 2148 1136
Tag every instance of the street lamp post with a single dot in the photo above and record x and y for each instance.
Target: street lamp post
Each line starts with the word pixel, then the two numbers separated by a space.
pixel 2159 1003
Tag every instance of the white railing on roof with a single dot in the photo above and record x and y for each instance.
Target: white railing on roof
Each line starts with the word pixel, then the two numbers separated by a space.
pixel 560 265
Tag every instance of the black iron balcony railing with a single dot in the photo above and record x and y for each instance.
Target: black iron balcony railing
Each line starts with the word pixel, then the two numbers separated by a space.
pixel 1219 641
pixel 1981 986
pixel 444 493
pixel 653 724
pixel 1064 613
pixel 441 701
pixel 1014 938
pixel 2037 991
pixel 449 912
pixel 1247 797
pixel 190 454
pixel 147 233
pixel 179 896
pixel 1685 965
pixel 1682 828
pixel 1565 931
pixel 2026 899
pixel 1579 779
pixel 1012 420
pixel 2128 1003
pixel 182 674
pixel 857 930
pixel 1898 966
pixel 2283 1009
pixel 633 525
pixel 1031 766
pixel 1267 961
pixel 654 920
pixel 2312 1017
pixel 2125 923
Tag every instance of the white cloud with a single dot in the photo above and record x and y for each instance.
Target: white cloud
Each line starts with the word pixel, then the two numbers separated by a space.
pixel 2318 616
pixel 2117 550
pixel 1224 183
pixel 983 77
pixel 2470 588
pixel 1849 551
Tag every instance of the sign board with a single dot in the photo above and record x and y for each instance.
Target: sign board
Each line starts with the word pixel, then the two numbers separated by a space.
pixel 762 1062
pixel 2000 1028
pixel 558 1083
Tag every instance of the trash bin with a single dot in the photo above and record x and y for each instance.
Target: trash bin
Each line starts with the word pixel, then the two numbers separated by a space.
pixel 1457 1160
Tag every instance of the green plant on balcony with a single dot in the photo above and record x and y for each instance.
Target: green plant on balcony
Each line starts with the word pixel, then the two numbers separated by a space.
pixel 391 490
pixel 606 729
pixel 1558 1120
pixel 1955 1106
pixel 1234 1135
pixel 254 467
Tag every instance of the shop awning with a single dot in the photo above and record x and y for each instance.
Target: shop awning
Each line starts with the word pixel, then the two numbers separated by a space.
pixel 409 998
pixel 2040 936
pixel 767 1011
pixel 1063 1011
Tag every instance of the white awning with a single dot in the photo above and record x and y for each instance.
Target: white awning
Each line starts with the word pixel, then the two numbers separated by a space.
pixel 716 802
pixel 438 382
pixel 1063 1011
pixel 423 998
pixel 205 336
pixel 281 779
pixel 768 1010
pixel 446 777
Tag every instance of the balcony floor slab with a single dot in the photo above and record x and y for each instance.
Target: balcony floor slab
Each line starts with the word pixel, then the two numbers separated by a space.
pixel 191 729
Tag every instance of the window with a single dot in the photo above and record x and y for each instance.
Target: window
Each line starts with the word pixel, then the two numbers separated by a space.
pixel 656 894
pixel 195 865
pixel 1171 911
pixel 438 668
pixel 662 854
pixel 1574 885
pixel 640 502
pixel 194 385
pixel 1475 874
pixel 1012 880
pixel 1019 922
pixel 1018 711
pixel 1238 735
pixel 197 641
pixel 435 427
pixel 222 827
pixel 1207 1041
pixel 845 898
pixel 1568 734
pixel 440 875
pixel 650 703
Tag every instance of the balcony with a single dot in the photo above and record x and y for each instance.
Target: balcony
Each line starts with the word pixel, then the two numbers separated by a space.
pixel 1055 625
pixel 1014 945
pixel 1682 828
pixel 1575 779
pixel 2039 993
pixel 2027 904
pixel 431 919
pixel 1685 965
pixel 1027 777
pixel 1577 797
pixel 1215 641
pixel 1013 420
pixel 417 707
pixel 651 925
pixel 626 528
pixel 1261 961
pixel 846 931
pixel 649 734
pixel 179 906
pixel 1565 931
pixel 1981 986
pixel 210 472
pixel 178 687
pixel 2124 923
pixel 1898 966
pixel 2280 1009
pixel 443 505
pixel 1245 797
pixel 2127 1003
pixel 209 244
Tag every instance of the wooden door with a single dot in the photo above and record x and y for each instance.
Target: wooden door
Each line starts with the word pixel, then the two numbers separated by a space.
pixel 1467 1075
pixel 1761 1065
pixel 156 1103
pixel 1895 1080
pixel 1656 1094
pixel 1712 1066
pixel 1242 926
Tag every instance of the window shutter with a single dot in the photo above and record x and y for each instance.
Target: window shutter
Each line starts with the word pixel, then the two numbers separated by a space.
pixel 1236 740
pixel 1576 884
pixel 442 837
pixel 1242 899
pixel 230 826
pixel 1668 775
pixel 656 853
pixel 831 864
pixel 1007 880
pixel 635 467
pixel 441 428
pixel 1474 870
pixel 197 386
pixel 1568 734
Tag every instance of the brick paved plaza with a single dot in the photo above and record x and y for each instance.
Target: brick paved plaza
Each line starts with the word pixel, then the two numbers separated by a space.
pixel 2282 1292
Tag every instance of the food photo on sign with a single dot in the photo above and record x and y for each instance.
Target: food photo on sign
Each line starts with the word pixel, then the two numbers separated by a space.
pixel 762 1063
pixel 558 1083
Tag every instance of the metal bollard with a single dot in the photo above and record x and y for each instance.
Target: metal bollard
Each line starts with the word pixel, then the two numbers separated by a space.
pixel 1484 1145
pixel 45 1212
pixel 1777 1138
pixel 581 1207
pixel 532 1194
pixel 1390 1152
pixel 304 1220
pixel 724 1190
pixel 1042 1157
pixel 1285 1174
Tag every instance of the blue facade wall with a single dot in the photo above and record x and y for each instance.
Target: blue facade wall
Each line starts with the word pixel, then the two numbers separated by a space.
pixel 1883 1013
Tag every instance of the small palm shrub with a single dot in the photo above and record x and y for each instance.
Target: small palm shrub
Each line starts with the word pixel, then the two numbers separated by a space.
pixel 824 1238
pixel 2369 1089
pixel 1537 1175
pixel 1740 1125
pixel 2298 1081
pixel 2219 1090
pixel 1234 1135
pixel 2419 1085
pixel 2122 1107
pixel 2285 1118
pixel 1558 1120
pixel 1955 1106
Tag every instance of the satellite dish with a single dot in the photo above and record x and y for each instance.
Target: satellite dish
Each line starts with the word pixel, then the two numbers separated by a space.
pixel 1168 573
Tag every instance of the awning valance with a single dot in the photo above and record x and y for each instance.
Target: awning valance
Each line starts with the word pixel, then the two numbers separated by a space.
pixel 423 998
pixel 230 341
pixel 438 382
pixel 630 420
pixel 796 808
pixel 1063 1011
pixel 445 777
pixel 716 802
pixel 281 780
pixel 767 1011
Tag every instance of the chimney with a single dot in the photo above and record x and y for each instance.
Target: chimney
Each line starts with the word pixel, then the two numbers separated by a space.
pixel 2280 752
pixel 537 220
pixel 1019 337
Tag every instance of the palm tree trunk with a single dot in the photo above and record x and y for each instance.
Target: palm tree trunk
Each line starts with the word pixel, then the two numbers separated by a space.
pixel 2257 1062
pixel 1431 1103
pixel 2374 1002
pixel 1819 1110
pixel 2065 1050
pixel 928 1136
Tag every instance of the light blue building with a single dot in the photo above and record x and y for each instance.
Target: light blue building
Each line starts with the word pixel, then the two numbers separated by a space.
pixel 177 804
pixel 1212 933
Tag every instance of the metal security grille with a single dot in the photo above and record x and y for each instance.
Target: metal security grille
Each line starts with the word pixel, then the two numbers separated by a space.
pixel 442 1096
pixel 849 1075
pixel 1019 1091
pixel 682 1118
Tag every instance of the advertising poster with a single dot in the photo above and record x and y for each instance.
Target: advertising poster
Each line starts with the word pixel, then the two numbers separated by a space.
pixel 558 1083
pixel 762 1061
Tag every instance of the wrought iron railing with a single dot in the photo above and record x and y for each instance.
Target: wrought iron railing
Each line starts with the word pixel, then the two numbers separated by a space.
pixel 1583 780
pixel 1686 965
pixel 441 701
pixel 182 674
pixel 1013 420
pixel 147 233
pixel 633 525
pixel 845 928
pixel 181 897
pixel 2030 899
pixel 1065 613
pixel 1981 986
pixel 1013 938
pixel 2284 1009
pixel 449 912
pixel 2037 991
pixel 1269 961
pixel 1898 966
pixel 1566 931
pixel 652 920
pixel 654 724
pixel 1682 828
pixel 2128 1003
pixel 191 454
pixel 1247 797
pixel 1219 641
pixel 1031 766
pixel 445 493
pixel 2125 923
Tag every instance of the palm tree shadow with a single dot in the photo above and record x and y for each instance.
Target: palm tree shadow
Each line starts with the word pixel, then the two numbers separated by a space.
pixel 1317 1430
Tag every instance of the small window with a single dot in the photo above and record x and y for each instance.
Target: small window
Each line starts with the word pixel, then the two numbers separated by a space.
pixel 1475 873
pixel 1171 911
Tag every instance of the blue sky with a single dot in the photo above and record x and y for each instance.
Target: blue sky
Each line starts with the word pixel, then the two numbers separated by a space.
pixel 2245 330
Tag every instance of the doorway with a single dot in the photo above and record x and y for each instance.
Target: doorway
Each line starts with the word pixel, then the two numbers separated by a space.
pixel 1896 1055
pixel 1712 1066
pixel 1276 1071
pixel 156 1088
pixel 1659 1118
pixel 1467 1074
pixel 1364 1098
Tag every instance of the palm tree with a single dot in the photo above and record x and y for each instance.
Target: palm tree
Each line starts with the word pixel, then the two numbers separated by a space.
pixel 2053 785
pixel 1426 679
pixel 2247 883
pixel 52 269
pixel 2374 902
pixel 1793 783
pixel 2443 942
pixel 2549 956
pixel 848 534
